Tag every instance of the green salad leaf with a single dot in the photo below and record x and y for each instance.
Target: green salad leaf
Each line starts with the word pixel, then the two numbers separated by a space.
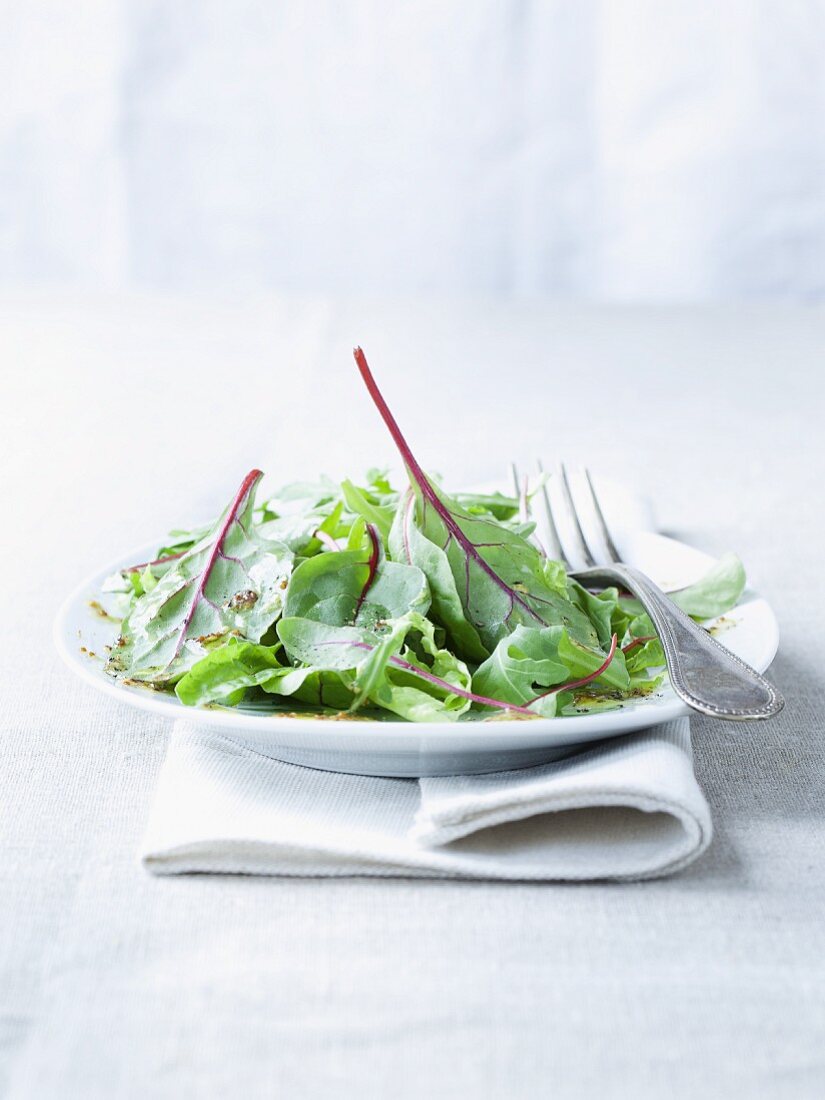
pixel 231 581
pixel 421 605
pixel 498 575
pixel 356 586
pixel 715 593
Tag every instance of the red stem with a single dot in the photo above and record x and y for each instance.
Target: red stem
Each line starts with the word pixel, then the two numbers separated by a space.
pixel 399 662
pixel 372 566
pixel 580 683
pixel 483 699
pixel 638 641
pixel 427 490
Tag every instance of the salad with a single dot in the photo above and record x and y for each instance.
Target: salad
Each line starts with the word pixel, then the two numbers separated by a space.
pixel 394 601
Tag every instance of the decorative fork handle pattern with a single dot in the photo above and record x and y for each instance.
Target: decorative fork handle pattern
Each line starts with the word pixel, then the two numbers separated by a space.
pixel 703 673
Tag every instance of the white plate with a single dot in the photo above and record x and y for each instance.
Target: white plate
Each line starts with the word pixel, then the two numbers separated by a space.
pixel 397 748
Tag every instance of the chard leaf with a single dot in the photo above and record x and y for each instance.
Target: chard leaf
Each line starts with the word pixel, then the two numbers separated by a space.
pixel 408 544
pixel 356 587
pixel 230 582
pixel 310 642
pixel 499 576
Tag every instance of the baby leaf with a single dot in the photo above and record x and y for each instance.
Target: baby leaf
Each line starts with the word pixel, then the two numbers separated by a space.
pixel 521 665
pixel 531 666
pixel 356 587
pixel 377 663
pixel 360 503
pixel 225 674
pixel 713 594
pixel 499 576
pixel 408 544
pixel 231 581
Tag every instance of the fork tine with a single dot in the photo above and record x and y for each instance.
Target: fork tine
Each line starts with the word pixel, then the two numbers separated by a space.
pixel 605 530
pixel 550 531
pixel 521 494
pixel 578 533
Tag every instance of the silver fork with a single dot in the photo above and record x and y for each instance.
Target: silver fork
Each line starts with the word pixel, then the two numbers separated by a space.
pixel 708 677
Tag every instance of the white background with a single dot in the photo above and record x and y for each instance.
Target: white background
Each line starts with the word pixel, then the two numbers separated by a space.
pixel 628 150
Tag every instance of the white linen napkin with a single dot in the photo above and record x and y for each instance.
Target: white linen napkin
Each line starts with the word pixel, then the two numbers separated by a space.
pixel 628 808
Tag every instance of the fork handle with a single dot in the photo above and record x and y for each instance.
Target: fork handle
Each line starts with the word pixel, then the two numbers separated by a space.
pixel 703 673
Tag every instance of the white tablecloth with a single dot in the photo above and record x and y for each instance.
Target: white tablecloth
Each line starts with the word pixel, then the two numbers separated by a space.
pixel 123 418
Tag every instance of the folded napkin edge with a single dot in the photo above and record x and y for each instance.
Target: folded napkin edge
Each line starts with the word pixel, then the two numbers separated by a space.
pixel 437 831
pixel 192 862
